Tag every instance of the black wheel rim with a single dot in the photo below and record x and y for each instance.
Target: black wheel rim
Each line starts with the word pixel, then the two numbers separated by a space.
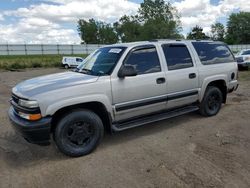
pixel 79 133
pixel 214 102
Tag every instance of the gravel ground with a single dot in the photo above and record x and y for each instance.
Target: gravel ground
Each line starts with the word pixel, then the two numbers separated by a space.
pixel 186 151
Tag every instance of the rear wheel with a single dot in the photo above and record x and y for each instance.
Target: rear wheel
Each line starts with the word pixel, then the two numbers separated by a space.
pixel 212 101
pixel 78 133
pixel 66 66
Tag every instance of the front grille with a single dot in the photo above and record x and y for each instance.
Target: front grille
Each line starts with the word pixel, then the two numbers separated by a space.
pixel 15 98
pixel 239 59
pixel 14 102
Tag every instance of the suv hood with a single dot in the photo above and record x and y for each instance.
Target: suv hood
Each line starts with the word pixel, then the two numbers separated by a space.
pixel 51 82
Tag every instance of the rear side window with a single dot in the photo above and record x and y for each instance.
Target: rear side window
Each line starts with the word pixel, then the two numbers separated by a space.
pixel 213 53
pixel 177 56
pixel 145 60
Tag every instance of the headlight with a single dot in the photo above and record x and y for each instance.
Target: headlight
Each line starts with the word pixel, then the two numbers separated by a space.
pixel 28 104
pixel 31 117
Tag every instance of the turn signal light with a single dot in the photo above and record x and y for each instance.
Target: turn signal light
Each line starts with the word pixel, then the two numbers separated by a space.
pixel 31 117
pixel 34 117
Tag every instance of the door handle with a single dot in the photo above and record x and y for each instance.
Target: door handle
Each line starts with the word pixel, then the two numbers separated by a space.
pixel 160 80
pixel 192 75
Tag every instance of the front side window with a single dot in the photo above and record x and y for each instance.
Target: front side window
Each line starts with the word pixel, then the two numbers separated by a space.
pixel 145 60
pixel 177 56
pixel 101 61
pixel 213 52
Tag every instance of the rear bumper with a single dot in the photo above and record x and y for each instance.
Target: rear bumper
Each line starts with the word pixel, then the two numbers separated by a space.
pixel 36 132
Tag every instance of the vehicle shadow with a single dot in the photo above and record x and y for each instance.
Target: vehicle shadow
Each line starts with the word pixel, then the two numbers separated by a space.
pixel 148 129
pixel 32 155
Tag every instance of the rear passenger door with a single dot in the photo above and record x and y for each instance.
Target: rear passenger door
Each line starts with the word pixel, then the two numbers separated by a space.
pixel 182 75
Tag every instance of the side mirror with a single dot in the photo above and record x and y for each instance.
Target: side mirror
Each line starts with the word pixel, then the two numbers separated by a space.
pixel 127 70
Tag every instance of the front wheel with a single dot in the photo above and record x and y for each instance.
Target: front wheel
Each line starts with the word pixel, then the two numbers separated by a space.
pixel 66 66
pixel 78 133
pixel 211 102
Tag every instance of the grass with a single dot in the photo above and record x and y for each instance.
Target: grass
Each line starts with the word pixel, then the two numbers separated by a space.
pixel 15 62
pixel 244 75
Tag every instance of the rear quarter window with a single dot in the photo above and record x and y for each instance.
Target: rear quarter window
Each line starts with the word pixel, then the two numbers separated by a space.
pixel 213 53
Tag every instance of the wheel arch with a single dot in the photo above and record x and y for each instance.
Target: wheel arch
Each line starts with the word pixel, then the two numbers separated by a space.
pixel 97 107
pixel 66 64
pixel 219 83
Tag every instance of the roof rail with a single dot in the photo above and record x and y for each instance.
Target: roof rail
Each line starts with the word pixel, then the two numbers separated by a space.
pixel 157 40
pixel 204 40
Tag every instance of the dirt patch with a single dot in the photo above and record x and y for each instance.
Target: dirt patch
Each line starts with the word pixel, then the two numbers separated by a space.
pixel 186 151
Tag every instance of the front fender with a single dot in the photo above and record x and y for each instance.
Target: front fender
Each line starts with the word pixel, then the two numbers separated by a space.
pixel 52 108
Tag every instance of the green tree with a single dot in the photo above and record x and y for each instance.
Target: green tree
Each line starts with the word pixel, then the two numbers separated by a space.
pixel 155 19
pixel 106 34
pixel 238 28
pixel 96 32
pixel 128 28
pixel 197 34
pixel 218 32
pixel 160 20
pixel 88 31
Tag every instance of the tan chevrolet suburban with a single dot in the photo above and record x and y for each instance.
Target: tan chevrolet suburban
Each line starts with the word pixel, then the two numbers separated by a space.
pixel 122 86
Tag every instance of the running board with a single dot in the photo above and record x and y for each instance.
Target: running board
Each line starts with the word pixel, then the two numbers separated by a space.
pixel 153 118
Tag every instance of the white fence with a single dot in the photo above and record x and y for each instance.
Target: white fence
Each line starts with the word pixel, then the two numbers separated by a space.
pixel 44 49
pixel 237 48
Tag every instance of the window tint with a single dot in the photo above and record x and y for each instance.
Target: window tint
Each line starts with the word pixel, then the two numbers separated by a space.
pixel 213 53
pixel 177 56
pixel 145 60
pixel 247 52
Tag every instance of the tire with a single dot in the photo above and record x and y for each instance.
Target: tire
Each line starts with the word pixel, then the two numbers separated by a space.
pixel 211 102
pixel 78 133
pixel 66 66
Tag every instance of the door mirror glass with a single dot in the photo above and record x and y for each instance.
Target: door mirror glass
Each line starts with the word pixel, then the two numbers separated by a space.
pixel 127 70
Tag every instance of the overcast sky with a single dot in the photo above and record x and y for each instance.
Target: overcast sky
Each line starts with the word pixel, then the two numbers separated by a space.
pixel 55 21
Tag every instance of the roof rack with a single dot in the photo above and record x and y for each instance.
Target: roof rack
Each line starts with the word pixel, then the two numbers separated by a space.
pixel 157 40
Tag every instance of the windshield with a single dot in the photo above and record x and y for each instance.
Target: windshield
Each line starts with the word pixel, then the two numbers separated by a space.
pixel 239 53
pixel 101 62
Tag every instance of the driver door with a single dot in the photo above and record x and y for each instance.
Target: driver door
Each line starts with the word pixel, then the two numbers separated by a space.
pixel 144 93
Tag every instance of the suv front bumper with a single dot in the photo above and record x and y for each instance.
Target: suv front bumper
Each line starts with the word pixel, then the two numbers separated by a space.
pixel 36 132
pixel 233 86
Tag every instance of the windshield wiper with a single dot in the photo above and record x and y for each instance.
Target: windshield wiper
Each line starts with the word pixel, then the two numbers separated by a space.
pixel 91 72
pixel 85 71
pixel 76 70
pixel 102 74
